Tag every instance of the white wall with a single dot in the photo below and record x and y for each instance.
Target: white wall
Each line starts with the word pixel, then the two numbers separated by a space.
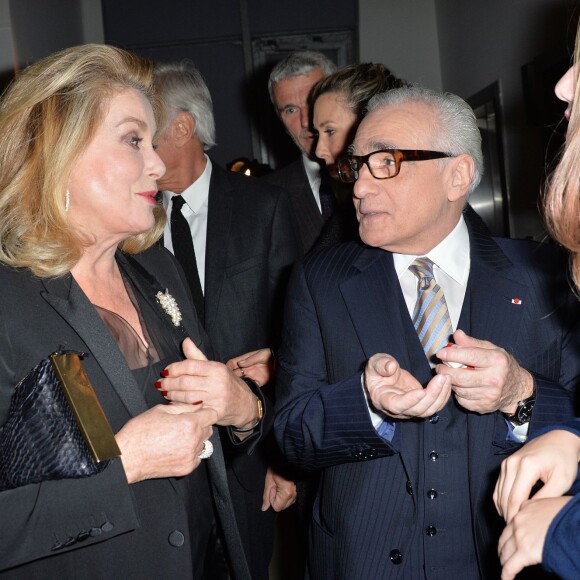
pixel 403 36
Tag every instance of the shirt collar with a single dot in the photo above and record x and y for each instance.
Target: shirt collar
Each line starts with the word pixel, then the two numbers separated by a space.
pixel 197 194
pixel 312 169
pixel 451 255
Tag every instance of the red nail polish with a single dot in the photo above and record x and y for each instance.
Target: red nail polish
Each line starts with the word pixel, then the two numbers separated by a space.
pixel 158 384
pixel 164 393
pixel 164 373
pixel 197 403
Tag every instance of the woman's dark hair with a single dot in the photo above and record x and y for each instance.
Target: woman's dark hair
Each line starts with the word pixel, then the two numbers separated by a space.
pixel 357 83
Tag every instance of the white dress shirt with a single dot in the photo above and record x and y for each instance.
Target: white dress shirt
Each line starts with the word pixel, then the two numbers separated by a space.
pixel 194 210
pixel 451 261
pixel 313 173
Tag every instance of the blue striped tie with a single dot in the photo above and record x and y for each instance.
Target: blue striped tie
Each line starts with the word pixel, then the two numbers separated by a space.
pixel 430 316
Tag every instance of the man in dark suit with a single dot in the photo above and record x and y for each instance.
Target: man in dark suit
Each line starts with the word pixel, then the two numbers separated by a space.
pixel 409 446
pixel 244 244
pixel 289 85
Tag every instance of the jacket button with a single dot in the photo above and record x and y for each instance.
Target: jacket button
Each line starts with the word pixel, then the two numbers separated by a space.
pixel 433 456
pixel 176 539
pixel 107 527
pixel 430 530
pixel 396 557
pixel 409 488
pixel 434 419
pixel 432 494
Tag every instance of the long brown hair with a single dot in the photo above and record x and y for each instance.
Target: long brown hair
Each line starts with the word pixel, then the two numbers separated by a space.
pixel 357 83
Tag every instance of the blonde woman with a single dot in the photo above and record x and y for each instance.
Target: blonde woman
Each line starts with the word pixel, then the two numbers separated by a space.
pixel 79 271
pixel 545 529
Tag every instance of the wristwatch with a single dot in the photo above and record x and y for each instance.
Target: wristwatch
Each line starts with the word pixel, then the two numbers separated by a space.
pixel 523 412
pixel 254 388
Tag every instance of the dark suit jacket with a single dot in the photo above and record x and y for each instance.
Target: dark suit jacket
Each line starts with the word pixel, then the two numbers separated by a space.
pixel 250 246
pixel 92 528
pixel 345 304
pixel 305 211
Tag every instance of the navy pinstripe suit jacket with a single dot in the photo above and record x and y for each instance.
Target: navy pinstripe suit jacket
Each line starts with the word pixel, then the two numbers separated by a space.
pixel 344 305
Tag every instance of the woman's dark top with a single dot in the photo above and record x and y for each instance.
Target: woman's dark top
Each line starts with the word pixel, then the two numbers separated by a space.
pixel 146 363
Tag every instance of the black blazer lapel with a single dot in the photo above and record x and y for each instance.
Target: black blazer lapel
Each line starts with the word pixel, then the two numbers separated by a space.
pixel 147 287
pixel 219 223
pixel 67 298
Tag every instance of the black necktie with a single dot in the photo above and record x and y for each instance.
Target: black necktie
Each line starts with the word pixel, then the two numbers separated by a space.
pixel 185 253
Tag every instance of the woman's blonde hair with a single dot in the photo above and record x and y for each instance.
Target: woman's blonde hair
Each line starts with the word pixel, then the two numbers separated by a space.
pixel 48 116
pixel 562 199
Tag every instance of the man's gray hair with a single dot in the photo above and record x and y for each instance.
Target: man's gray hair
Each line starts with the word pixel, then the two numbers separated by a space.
pixel 457 130
pixel 297 64
pixel 181 88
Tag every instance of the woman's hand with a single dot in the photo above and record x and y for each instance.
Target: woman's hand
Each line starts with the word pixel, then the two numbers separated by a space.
pixel 211 385
pixel 551 458
pixel 164 441
pixel 258 365
pixel 522 541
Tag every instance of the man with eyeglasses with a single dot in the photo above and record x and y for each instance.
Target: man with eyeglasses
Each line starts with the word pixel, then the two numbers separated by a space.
pixel 412 364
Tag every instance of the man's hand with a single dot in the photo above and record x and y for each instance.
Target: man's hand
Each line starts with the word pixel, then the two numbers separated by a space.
pixel 552 458
pixel 522 541
pixel 397 393
pixel 279 493
pixel 495 381
pixel 258 365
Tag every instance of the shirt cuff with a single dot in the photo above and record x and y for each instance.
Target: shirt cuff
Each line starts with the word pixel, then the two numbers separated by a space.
pixel 384 426
pixel 519 433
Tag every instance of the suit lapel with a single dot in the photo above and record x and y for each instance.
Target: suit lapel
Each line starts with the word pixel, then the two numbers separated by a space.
pixel 490 312
pixel 67 298
pixel 499 292
pixel 146 287
pixel 218 227
pixel 379 314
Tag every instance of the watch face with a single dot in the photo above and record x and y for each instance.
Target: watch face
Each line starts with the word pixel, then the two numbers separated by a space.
pixel 524 412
